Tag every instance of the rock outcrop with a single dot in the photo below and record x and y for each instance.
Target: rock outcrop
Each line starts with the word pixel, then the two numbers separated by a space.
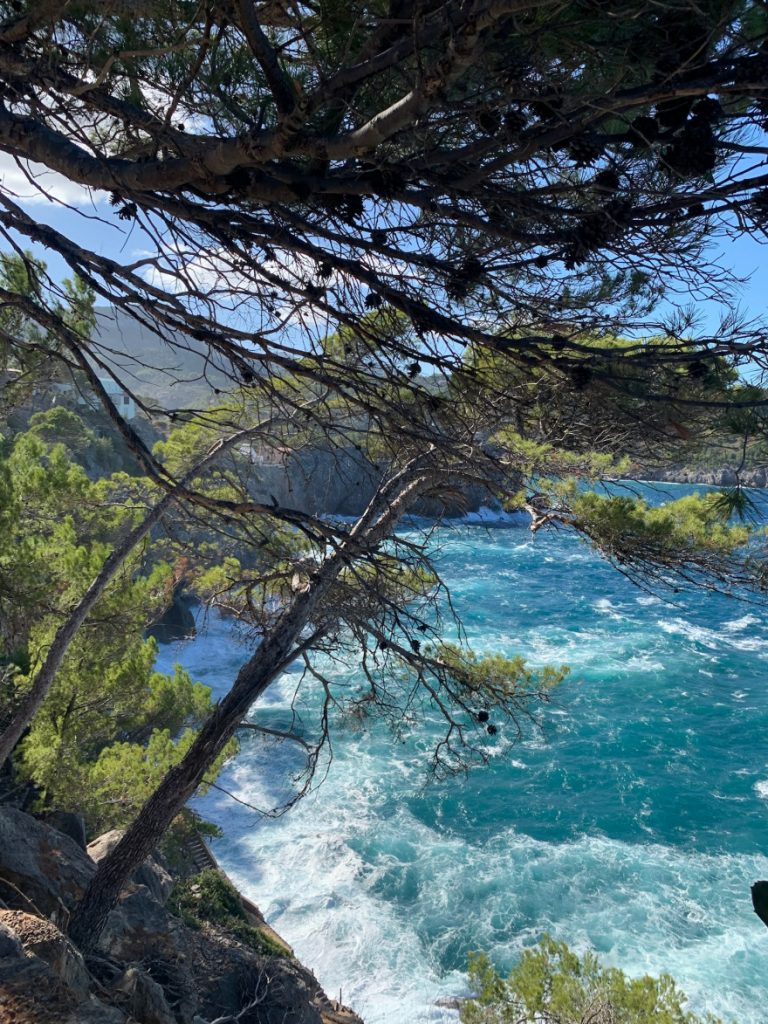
pixel 42 871
pixel 150 967
pixel 755 476
pixel 341 482
pixel 152 874
pixel 177 621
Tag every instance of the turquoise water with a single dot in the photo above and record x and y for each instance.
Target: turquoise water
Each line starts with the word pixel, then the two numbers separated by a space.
pixel 633 821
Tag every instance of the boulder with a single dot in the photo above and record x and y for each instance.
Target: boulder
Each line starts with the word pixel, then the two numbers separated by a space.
pixel 43 939
pixel 96 1012
pixel 32 991
pixel 41 870
pixel 143 998
pixel 176 623
pixel 138 927
pixel 72 825
pixel 230 976
pixel 150 968
pixel 141 929
pixel 151 874
pixel 9 942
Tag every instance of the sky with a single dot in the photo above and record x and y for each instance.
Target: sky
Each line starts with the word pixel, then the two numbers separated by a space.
pixel 91 222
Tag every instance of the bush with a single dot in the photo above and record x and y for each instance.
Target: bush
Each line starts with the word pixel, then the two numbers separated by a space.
pixel 210 898
pixel 552 985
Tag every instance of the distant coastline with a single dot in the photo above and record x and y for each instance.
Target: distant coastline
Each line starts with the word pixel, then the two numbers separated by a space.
pixel 754 476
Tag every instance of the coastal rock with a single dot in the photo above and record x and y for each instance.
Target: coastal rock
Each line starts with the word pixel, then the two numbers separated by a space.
pixel 144 998
pixel 177 621
pixel 30 991
pixel 723 476
pixel 9 942
pixel 339 482
pixel 229 977
pixel 139 926
pixel 140 929
pixel 451 1002
pixel 43 939
pixel 96 1012
pixel 151 874
pixel 151 968
pixel 41 870
pixel 72 825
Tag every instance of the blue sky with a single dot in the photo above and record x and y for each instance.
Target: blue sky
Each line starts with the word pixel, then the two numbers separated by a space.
pixel 745 256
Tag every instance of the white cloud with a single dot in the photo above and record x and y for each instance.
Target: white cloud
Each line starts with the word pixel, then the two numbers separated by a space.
pixel 28 182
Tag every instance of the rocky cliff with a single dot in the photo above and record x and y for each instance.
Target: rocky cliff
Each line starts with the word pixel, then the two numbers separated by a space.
pixel 150 966
pixel 341 482
pixel 723 476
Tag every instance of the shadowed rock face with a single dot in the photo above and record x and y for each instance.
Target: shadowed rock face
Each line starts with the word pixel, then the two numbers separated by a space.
pixel 339 483
pixel 177 621
pixel 42 939
pixel 151 874
pixel 41 870
pixel 151 968
pixel 760 900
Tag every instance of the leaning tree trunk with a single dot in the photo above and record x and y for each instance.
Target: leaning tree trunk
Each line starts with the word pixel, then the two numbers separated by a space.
pixel 180 782
pixel 277 650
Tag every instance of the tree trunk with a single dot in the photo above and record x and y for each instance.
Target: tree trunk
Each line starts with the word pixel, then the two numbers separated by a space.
pixel 277 650
pixel 180 782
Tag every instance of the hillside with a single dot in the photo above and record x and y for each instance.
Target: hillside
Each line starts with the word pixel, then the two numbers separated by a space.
pixel 181 375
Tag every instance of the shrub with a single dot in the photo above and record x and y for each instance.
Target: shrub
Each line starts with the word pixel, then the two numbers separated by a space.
pixel 553 985
pixel 210 898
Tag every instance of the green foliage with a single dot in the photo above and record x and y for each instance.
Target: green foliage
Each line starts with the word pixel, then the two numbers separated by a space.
pixel 692 529
pixel 210 898
pixel 61 426
pixel 494 679
pixel 104 739
pixel 116 785
pixel 111 726
pixel 24 346
pixel 537 459
pixel 553 985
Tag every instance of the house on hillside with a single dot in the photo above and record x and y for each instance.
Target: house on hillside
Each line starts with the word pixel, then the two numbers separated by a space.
pixel 70 394
pixel 123 402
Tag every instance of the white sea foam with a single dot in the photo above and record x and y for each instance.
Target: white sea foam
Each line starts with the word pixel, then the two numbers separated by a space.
pixel 737 625
pixel 493 517
pixel 373 904
pixel 606 607
pixel 383 890
pixel 375 900
pixel 714 639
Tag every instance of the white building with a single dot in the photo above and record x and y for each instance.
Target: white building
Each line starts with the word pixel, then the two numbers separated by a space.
pixel 124 403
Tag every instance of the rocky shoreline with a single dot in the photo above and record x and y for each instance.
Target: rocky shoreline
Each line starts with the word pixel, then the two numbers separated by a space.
pixel 754 476
pixel 151 966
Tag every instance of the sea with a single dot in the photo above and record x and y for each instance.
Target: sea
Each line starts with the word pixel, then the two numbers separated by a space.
pixel 630 818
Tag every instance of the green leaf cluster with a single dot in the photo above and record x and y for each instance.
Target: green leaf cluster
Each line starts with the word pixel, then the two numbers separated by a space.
pixel 493 678
pixel 694 528
pixel 210 898
pixel 553 985
pixel 111 725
